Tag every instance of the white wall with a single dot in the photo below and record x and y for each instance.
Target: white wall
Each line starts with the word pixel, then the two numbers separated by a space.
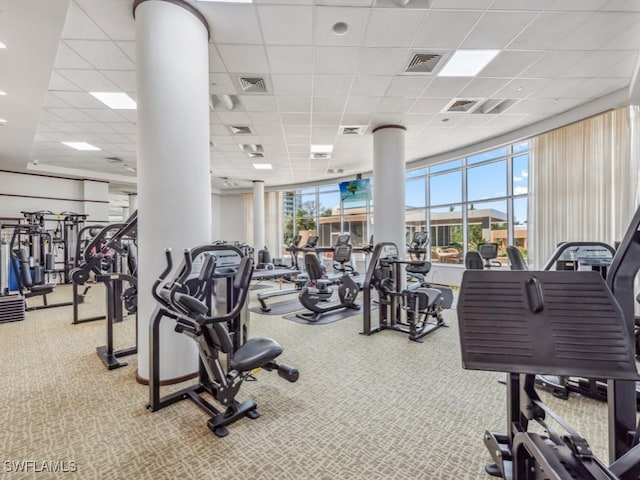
pixel 29 192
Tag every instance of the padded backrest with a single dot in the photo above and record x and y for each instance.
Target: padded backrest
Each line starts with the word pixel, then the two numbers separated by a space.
pixel 473 261
pixel 25 271
pixel 312 266
pixel 243 274
pixel 488 251
pixel 558 323
pixel 516 259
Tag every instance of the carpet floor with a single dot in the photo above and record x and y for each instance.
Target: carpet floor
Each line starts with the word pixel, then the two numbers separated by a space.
pixel 376 407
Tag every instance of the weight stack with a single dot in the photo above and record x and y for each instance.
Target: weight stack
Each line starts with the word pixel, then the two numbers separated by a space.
pixel 11 308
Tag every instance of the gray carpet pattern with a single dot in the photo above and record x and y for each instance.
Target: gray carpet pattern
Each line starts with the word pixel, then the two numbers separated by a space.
pixel 376 407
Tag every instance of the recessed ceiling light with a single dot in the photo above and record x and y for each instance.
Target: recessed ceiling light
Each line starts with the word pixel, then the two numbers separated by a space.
pixel 321 148
pixel 340 29
pixel 519 89
pixel 2 93
pixel 2 120
pixel 2 46
pixel 81 146
pixel 116 100
pixel 467 63
pixel 263 166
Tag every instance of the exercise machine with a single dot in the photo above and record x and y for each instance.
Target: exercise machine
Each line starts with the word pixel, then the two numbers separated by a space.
pixel 317 291
pixel 415 311
pixel 216 335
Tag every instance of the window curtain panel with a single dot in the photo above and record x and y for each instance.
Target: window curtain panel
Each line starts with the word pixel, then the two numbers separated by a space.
pixel 584 182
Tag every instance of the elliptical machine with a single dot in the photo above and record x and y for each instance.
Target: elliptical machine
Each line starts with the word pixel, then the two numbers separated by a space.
pixel 318 288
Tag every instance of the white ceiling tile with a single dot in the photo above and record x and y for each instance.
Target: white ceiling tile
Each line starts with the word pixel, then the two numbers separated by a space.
pixel 429 105
pixel 129 48
pixel 548 31
pixel 483 87
pixel 102 54
pixel 128 115
pixel 125 128
pixel 356 118
pixel 370 86
pixel 79 99
pixel 362 104
pixel 286 25
pixel 52 101
pixel 597 87
pixel 79 25
pixel 395 104
pixel 555 88
pixel 497 29
pixel 599 29
pixel 232 23
pixel 221 83
pixel 103 114
pixel 298 139
pixel 114 18
pixel 244 58
pixel 294 104
pixel 115 138
pixel 510 63
pixel 506 121
pixel 390 27
pixel 259 103
pixel 445 120
pixel 335 60
pixel 569 5
pixel 290 59
pixel 622 6
pixel 331 85
pixel 385 118
pixel 271 118
pixel 521 88
pixel 215 60
pixel 533 5
pixel 553 64
pixel 297 130
pixel 380 61
pixel 97 127
pixel 445 29
pixel 326 17
pixel 71 114
pixel 296 118
pixel 460 4
pixel 329 104
pixel 474 121
pixel 67 58
pixel 124 79
pixel 598 62
pixel 408 86
pixel 446 86
pixel 322 118
pixel 58 82
pixel 90 80
pixel 541 106
pixel 291 84
pixel 234 118
pixel 623 69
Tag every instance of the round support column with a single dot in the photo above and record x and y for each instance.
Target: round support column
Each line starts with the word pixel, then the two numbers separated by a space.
pixel 133 202
pixel 174 186
pixel 389 185
pixel 258 216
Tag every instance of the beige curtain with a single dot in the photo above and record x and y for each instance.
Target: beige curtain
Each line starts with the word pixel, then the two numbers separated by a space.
pixel 584 182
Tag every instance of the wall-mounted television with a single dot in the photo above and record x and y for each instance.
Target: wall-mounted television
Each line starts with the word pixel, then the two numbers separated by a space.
pixel 355 190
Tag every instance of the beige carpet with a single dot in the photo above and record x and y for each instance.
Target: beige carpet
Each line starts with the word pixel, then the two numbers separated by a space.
pixel 376 407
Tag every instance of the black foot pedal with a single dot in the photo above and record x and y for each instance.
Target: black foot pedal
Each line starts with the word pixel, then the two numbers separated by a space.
pixel 493 470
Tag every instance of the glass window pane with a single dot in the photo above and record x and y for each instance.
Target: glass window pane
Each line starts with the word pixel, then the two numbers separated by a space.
pixel 521 174
pixel 446 234
pixel 521 225
pixel 487 181
pixel 441 167
pixel 415 193
pixel 445 188
pixel 481 157
pixel 328 188
pixel 329 221
pixel 487 223
pixel 416 173
pixel 521 147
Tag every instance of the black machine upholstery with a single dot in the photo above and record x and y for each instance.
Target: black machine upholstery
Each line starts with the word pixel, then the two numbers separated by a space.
pixel 516 259
pixel 473 261
pixel 488 252
pixel 255 353
pixel 26 283
pixel 313 267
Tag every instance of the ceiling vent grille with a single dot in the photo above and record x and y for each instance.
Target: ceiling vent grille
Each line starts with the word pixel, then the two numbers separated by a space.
pixel 240 130
pixel 495 106
pixel 332 171
pixel 320 156
pixel 350 130
pixel 423 63
pixel 252 84
pixel 461 105
pixel 256 155
pixel 114 160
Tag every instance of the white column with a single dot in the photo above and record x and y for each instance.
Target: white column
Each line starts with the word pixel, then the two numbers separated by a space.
pixel 389 185
pixel 258 216
pixel 174 186
pixel 133 202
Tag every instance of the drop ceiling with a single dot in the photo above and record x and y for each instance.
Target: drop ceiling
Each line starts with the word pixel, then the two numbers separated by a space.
pixel 555 55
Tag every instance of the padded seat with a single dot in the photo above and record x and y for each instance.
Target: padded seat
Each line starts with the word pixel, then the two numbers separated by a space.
pixel 416 267
pixel 255 353
pixel 192 304
pixel 42 289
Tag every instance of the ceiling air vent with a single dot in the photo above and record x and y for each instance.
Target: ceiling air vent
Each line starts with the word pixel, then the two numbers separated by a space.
pixel 114 160
pixel 423 63
pixel 256 155
pixel 240 130
pixel 350 130
pixel 252 84
pixel 461 105
pixel 495 105
pixel 331 171
pixel 320 156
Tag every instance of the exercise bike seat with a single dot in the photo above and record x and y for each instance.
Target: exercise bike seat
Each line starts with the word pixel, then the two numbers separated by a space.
pixel 255 353
pixel 193 305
